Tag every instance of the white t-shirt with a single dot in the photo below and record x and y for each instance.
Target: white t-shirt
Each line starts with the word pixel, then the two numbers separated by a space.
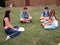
pixel 55 22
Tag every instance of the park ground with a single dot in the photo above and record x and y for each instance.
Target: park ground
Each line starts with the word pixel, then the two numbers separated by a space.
pixel 34 33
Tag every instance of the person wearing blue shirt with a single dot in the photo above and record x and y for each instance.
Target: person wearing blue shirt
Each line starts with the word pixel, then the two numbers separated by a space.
pixel 25 16
pixel 52 21
pixel 44 15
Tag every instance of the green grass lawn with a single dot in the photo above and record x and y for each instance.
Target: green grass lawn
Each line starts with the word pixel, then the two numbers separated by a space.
pixel 34 33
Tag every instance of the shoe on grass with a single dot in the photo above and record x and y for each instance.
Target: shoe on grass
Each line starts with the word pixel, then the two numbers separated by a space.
pixel 8 38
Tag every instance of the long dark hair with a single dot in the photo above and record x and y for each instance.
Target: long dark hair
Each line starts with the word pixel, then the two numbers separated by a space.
pixel 52 12
pixel 6 15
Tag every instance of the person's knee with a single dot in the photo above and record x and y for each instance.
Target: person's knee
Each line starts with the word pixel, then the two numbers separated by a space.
pixel 17 32
pixel 21 19
pixel 42 18
pixel 30 18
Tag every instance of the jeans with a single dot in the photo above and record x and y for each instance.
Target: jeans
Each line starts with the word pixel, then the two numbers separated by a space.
pixel 50 27
pixel 12 33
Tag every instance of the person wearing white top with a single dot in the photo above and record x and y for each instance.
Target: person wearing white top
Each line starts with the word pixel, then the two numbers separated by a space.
pixel 52 21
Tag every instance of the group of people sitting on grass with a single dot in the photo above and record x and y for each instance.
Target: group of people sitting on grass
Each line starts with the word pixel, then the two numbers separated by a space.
pixel 48 18
pixel 48 21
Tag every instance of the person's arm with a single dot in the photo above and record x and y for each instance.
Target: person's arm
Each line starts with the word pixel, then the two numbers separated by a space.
pixel 42 16
pixel 8 23
pixel 50 21
pixel 29 18
pixel 43 13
